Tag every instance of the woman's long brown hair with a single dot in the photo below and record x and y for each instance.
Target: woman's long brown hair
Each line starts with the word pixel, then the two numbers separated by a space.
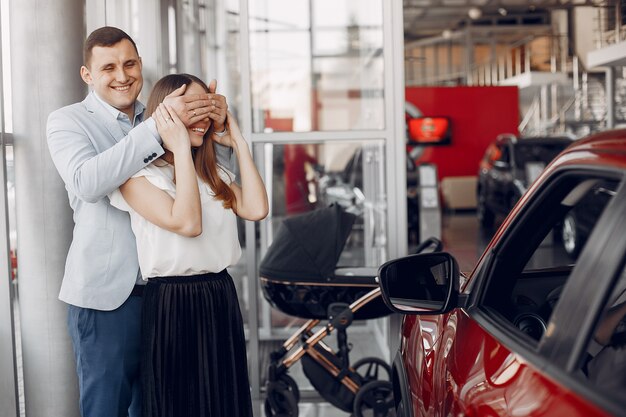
pixel 204 157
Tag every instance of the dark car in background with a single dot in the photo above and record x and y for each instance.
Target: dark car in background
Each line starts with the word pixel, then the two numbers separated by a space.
pixel 575 228
pixel 527 332
pixel 509 166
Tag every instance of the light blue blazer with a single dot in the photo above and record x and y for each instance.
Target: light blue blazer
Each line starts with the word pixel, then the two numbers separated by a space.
pixel 94 157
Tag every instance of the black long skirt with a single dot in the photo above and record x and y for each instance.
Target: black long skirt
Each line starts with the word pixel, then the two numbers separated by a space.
pixel 194 352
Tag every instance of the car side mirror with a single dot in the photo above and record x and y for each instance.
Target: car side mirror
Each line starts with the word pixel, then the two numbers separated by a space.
pixel 420 284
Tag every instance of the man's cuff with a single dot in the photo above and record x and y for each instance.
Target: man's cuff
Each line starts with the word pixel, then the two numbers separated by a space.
pixel 151 124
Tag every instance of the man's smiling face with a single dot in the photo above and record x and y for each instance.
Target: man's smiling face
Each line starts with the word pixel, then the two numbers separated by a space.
pixel 114 73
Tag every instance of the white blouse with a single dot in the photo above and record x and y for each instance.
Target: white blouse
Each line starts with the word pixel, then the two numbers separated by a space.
pixel 163 253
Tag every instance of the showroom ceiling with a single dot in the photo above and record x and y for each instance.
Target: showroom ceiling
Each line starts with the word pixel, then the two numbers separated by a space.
pixel 432 18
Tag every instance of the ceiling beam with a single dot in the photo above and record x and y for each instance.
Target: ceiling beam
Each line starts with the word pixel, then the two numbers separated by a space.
pixel 538 4
pixel 482 34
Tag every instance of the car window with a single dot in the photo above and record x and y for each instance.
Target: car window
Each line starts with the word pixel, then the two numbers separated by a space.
pixel 604 367
pixel 531 157
pixel 535 260
pixel 534 152
pixel 504 154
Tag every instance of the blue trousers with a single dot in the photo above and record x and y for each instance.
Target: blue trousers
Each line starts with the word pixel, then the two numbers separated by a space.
pixel 107 351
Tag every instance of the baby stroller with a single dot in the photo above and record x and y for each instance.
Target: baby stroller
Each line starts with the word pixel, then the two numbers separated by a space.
pixel 299 277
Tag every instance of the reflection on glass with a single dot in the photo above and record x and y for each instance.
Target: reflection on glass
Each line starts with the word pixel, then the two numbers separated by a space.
pixel 316 65
pixel 229 84
pixel 567 238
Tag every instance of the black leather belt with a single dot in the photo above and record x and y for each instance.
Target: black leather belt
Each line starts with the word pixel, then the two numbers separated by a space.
pixel 137 290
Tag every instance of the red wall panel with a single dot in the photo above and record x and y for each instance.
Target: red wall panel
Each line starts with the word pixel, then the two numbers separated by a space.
pixel 478 115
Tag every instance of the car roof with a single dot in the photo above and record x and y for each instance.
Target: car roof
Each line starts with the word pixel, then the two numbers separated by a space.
pixel 534 140
pixel 610 141
pixel 608 147
pixel 544 141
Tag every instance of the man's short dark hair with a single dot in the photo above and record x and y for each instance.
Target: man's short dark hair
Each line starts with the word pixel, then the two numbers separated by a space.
pixel 105 36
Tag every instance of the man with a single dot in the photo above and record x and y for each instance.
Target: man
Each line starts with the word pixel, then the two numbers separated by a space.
pixel 96 145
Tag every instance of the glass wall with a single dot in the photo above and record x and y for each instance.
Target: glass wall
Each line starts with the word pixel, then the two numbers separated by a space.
pixel 10 363
pixel 316 65
pixel 319 126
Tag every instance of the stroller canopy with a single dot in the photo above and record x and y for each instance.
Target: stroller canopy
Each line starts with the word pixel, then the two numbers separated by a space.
pixel 307 246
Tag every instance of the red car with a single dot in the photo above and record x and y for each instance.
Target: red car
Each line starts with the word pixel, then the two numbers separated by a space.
pixel 528 332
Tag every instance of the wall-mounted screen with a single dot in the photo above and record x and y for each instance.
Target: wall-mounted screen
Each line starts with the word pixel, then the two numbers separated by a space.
pixel 430 130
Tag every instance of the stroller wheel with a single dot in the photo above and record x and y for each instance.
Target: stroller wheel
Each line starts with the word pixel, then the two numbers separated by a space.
pixel 374 399
pixel 369 369
pixel 291 385
pixel 290 410
pixel 282 398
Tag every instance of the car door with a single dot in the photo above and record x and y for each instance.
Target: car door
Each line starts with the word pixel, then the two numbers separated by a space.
pixel 517 349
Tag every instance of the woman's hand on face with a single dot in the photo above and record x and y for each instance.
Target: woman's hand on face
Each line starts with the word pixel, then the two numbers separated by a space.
pixel 232 134
pixel 171 129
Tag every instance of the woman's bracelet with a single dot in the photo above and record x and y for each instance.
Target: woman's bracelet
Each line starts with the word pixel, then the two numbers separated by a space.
pixel 221 134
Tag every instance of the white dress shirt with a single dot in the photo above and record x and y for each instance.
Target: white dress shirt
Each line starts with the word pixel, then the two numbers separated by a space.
pixel 163 253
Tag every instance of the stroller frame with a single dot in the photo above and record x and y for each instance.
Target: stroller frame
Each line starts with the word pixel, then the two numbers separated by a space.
pixel 365 391
pixel 300 277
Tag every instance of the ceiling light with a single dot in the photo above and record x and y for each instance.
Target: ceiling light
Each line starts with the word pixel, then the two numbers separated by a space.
pixel 446 34
pixel 474 13
pixel 502 11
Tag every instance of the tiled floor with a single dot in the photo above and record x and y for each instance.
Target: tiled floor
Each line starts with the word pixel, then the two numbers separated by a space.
pixel 463 238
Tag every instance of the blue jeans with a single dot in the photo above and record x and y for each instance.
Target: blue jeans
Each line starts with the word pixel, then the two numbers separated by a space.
pixel 107 352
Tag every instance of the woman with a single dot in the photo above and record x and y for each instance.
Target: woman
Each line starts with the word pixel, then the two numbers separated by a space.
pixel 183 210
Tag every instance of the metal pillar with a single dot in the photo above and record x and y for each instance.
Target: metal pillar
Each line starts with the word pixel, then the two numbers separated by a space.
pixel 424 73
pixel 246 121
pixel 576 78
pixel 618 21
pixel 449 62
pixel 493 62
pixel 469 57
pixel 554 100
pixel 610 97
pixel 8 363
pixel 436 78
pixel 46 57
pixel 8 359
pixel 545 109
pixel 395 149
